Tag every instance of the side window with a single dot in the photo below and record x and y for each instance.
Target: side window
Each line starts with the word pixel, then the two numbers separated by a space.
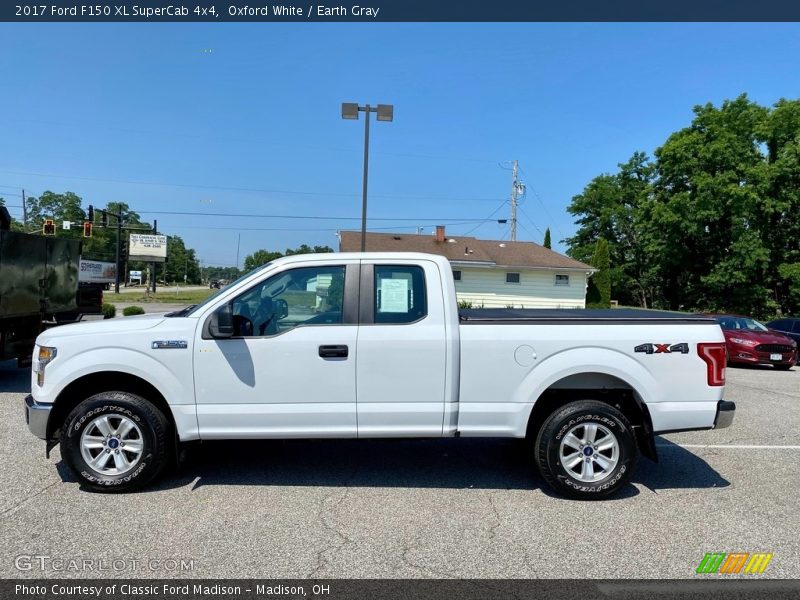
pixel 512 277
pixel 562 279
pixel 796 326
pixel 399 294
pixel 304 296
pixel 781 325
pixel 457 275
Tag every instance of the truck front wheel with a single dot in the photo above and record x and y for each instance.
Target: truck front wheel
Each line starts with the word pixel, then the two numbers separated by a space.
pixel 115 442
pixel 586 450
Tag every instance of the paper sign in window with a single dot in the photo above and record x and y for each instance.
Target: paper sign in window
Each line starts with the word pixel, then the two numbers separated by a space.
pixel 394 296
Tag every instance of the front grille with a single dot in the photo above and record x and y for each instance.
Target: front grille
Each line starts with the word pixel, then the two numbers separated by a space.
pixel 782 348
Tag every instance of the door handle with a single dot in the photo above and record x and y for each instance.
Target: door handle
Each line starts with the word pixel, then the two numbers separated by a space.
pixel 333 351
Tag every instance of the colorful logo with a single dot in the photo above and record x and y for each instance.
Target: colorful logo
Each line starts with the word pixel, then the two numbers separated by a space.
pixel 735 562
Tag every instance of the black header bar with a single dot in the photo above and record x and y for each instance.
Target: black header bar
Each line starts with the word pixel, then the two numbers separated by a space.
pixel 368 11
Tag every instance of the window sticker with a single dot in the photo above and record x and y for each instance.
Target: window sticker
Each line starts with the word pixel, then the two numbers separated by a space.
pixel 393 296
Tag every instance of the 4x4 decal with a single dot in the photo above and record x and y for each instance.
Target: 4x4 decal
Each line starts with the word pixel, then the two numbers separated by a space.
pixel 683 348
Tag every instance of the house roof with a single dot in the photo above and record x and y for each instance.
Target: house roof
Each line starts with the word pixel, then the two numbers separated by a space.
pixel 461 249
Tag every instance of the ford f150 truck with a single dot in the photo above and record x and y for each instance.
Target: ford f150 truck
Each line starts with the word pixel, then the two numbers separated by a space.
pixel 373 345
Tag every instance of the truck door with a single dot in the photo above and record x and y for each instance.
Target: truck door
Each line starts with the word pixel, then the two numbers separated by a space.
pixel 401 358
pixel 290 369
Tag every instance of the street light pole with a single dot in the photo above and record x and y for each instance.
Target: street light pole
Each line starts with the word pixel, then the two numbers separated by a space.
pixel 385 112
pixel 364 188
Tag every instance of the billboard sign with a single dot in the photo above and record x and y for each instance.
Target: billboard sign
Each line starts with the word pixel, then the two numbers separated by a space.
pixel 96 271
pixel 147 247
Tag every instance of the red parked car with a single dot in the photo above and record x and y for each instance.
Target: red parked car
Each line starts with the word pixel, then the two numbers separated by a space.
pixel 750 342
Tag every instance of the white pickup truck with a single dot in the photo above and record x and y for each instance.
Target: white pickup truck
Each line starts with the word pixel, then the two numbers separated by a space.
pixel 373 345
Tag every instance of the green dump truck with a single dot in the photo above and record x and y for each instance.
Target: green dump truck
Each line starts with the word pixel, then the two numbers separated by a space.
pixel 38 287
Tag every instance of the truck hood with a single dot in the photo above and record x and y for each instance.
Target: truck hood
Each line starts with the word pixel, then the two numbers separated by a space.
pixel 117 325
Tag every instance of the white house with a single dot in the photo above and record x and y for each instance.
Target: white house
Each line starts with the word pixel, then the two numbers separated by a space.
pixel 492 273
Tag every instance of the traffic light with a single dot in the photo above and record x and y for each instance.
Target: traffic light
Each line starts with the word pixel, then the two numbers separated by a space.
pixel 49 227
pixel 105 219
pixel 91 218
pixel 87 229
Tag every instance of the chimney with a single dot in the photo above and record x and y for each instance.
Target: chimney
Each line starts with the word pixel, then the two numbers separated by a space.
pixel 440 233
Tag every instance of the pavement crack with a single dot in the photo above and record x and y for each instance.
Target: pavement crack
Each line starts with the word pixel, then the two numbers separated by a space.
pixel 26 498
pixel 321 558
pixel 425 570
pixel 493 529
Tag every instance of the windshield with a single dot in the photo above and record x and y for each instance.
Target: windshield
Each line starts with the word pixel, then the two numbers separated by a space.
pixel 740 324
pixel 189 310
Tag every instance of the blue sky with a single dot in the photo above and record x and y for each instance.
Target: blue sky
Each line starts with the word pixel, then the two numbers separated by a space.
pixel 235 118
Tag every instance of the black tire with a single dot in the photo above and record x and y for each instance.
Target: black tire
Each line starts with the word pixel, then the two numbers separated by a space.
pixel 153 431
pixel 547 449
pixel 783 367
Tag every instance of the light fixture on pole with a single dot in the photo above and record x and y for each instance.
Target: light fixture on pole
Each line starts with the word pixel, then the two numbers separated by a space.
pixel 385 112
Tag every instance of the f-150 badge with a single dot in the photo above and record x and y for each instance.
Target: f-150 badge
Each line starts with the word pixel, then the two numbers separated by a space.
pixel 170 345
pixel 683 348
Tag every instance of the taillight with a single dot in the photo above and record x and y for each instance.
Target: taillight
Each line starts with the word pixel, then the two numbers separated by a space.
pixel 715 357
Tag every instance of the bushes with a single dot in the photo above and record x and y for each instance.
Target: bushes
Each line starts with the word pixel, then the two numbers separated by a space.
pixel 132 310
pixel 109 311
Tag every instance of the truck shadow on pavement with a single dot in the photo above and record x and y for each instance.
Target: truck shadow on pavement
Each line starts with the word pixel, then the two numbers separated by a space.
pixel 13 379
pixel 449 463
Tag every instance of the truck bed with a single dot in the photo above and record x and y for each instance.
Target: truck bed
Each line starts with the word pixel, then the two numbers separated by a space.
pixel 573 316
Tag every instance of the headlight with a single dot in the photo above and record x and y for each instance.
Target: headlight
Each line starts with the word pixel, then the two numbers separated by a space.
pixel 45 355
pixel 744 342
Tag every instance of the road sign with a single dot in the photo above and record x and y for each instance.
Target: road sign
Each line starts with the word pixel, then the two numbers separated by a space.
pixel 66 224
pixel 147 247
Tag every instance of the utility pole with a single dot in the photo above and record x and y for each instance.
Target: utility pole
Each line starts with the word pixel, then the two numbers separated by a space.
pixel 119 241
pixel 514 191
pixel 155 275
pixel 238 243
pixel 24 213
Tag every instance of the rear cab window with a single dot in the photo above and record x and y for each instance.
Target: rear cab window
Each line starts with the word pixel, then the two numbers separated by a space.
pixel 399 294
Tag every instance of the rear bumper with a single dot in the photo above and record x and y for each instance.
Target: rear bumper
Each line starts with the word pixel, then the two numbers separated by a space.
pixel 725 413
pixel 36 416
pixel 672 417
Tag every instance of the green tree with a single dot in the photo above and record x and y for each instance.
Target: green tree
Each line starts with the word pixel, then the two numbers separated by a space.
pixel 60 208
pixel 712 222
pixel 547 243
pixel 614 207
pixel 182 264
pixel 258 258
pixel 261 257
pixel 599 292
pixel 702 226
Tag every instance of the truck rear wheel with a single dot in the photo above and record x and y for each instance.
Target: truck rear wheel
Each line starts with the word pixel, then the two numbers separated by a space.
pixel 115 442
pixel 586 450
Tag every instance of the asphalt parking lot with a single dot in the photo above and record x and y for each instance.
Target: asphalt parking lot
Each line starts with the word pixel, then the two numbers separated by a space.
pixel 442 508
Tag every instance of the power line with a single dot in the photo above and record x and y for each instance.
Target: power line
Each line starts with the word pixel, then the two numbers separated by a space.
pixel 303 217
pixel 489 218
pixel 291 229
pixel 239 189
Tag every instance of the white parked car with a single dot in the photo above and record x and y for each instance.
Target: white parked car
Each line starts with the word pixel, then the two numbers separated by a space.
pixel 373 345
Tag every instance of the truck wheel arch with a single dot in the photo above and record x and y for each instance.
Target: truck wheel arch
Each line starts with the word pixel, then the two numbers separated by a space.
pixel 88 385
pixel 615 392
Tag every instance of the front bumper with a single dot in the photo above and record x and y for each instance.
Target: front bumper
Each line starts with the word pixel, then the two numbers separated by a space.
pixel 725 412
pixel 749 356
pixel 36 416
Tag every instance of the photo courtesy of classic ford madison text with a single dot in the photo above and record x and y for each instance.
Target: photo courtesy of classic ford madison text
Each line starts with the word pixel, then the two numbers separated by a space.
pixel 398 303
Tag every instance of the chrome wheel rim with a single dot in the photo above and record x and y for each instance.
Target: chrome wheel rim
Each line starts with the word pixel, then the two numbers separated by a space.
pixel 112 444
pixel 589 452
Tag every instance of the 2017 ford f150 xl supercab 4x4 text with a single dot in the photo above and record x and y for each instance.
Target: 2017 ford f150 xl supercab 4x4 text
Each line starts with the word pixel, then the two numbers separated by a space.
pixel 373 345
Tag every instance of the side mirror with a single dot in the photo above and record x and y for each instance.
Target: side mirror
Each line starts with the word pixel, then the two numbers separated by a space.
pixel 281 308
pixel 220 323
